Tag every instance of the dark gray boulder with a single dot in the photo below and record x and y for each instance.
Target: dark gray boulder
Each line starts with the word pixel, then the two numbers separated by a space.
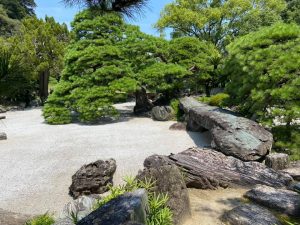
pixel 277 161
pixel 129 208
pixel 162 113
pixel 284 201
pixel 233 135
pixel 3 136
pixel 93 178
pixel 168 179
pixel 209 169
pixel 250 214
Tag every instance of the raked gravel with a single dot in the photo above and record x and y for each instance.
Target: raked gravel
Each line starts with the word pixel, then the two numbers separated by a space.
pixel 38 160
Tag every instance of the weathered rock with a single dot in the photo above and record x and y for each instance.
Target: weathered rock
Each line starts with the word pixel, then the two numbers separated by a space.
pixel 284 201
pixel 293 170
pixel 178 126
pixel 11 218
pixel 169 180
pixel 80 207
pixel 210 169
pixel 250 214
pixel 162 113
pixel 277 161
pixel 232 135
pixel 143 104
pixel 3 136
pixel 129 208
pixel 93 178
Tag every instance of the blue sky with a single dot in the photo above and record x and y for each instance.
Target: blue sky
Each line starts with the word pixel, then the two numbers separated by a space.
pixel 64 14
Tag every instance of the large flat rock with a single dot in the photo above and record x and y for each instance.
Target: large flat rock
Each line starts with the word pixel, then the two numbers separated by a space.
pixel 282 200
pixel 210 169
pixel 233 135
pixel 250 214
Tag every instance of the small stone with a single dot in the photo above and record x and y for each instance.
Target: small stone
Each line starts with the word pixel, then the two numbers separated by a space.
pixel 250 214
pixel 3 136
pixel 129 208
pixel 277 161
pixel 178 126
pixel 2 117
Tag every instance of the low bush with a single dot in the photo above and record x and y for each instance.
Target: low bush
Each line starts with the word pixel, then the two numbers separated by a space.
pixel 45 219
pixel 215 100
pixel 177 111
pixel 159 213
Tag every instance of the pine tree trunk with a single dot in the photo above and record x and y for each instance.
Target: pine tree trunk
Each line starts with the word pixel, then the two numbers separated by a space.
pixel 44 84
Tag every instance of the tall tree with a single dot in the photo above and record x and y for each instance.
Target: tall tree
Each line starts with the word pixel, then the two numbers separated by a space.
pixel 8 26
pixel 18 9
pixel 264 73
pixel 292 12
pixel 125 7
pixel 219 21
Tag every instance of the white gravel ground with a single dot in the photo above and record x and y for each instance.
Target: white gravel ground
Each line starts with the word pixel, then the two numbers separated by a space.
pixel 38 160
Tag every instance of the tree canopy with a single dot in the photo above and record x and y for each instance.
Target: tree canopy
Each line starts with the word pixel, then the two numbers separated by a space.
pixel 124 7
pixel 18 9
pixel 219 21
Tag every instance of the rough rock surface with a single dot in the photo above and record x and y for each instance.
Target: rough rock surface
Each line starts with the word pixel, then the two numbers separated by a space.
pixel 3 136
pixel 93 178
pixel 277 161
pixel 169 180
pixel 293 170
pixel 210 169
pixel 284 201
pixel 10 218
pixel 232 135
pixel 129 208
pixel 250 214
pixel 162 113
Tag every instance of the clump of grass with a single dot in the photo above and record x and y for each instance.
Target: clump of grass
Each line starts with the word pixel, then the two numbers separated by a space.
pixel 45 219
pixel 215 100
pixel 159 213
pixel 177 111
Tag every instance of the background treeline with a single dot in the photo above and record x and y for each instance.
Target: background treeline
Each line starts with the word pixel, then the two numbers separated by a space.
pixel 31 52
pixel 250 49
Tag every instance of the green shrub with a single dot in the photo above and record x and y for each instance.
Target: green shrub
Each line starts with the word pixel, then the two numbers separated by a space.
pixel 45 219
pixel 177 111
pixel 287 140
pixel 159 213
pixel 215 100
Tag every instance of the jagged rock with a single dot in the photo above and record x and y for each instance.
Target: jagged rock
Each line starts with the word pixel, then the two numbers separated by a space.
pixel 284 201
pixel 277 161
pixel 3 136
pixel 169 180
pixel 129 208
pixel 11 218
pixel 93 178
pixel 293 170
pixel 162 113
pixel 178 126
pixel 210 169
pixel 143 104
pixel 250 214
pixel 232 135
